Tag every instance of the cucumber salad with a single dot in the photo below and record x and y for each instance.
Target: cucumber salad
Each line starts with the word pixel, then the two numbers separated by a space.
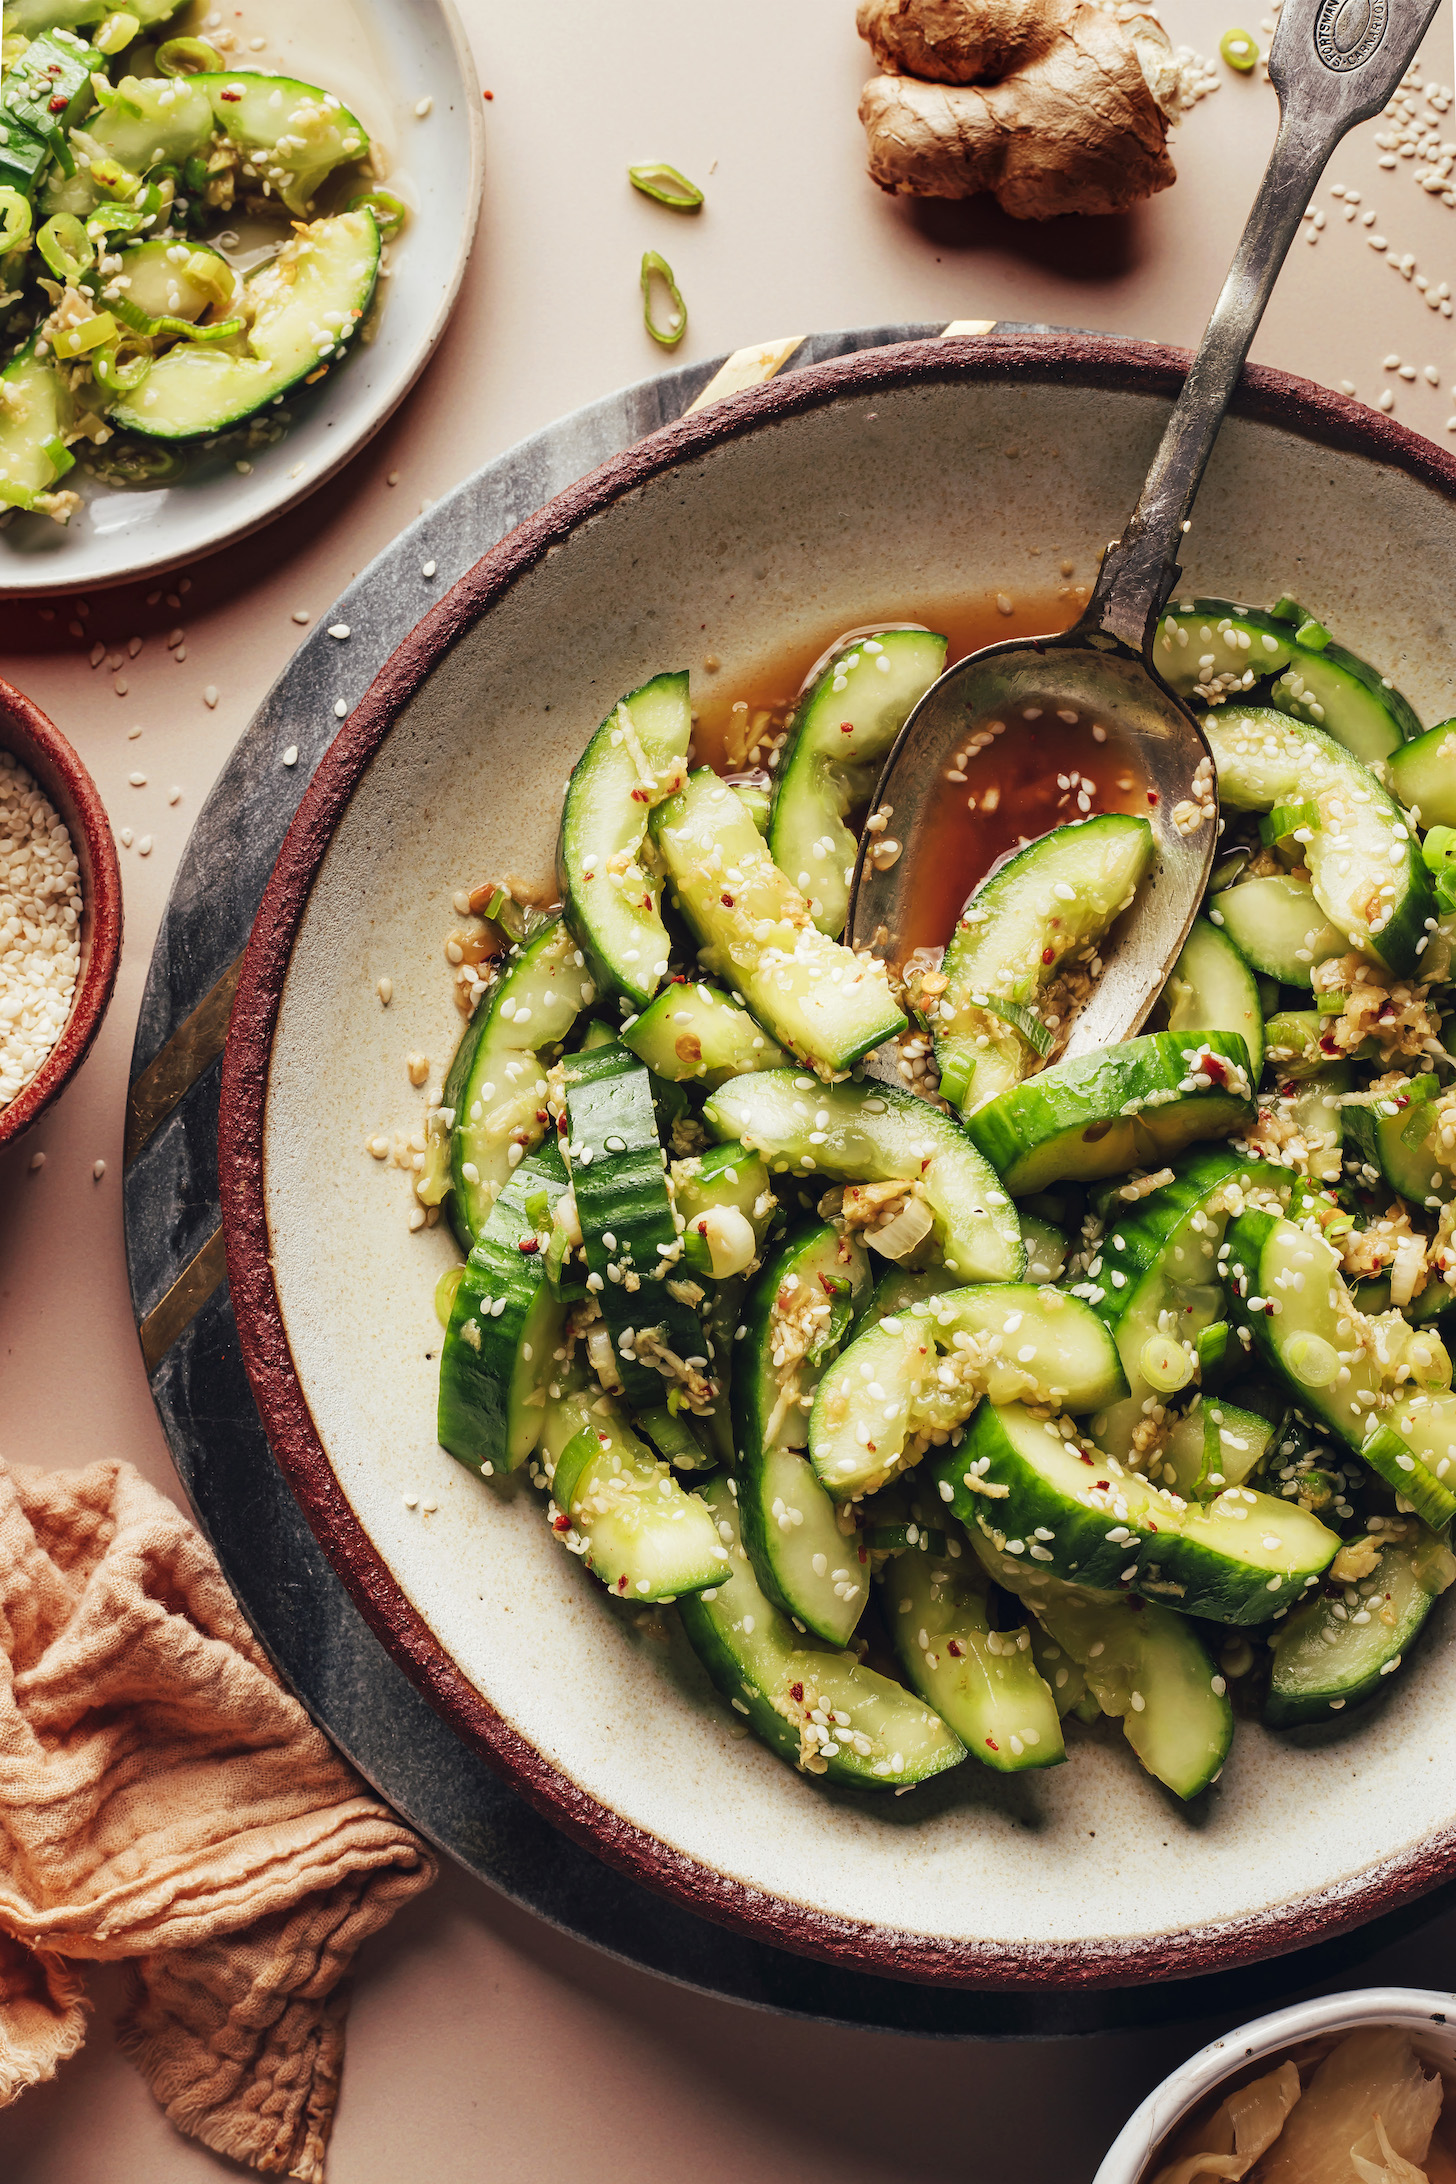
pixel 138 320
pixel 1109 1385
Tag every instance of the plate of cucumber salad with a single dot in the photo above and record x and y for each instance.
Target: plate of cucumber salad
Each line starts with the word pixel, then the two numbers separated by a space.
pixel 951 1394
pixel 219 275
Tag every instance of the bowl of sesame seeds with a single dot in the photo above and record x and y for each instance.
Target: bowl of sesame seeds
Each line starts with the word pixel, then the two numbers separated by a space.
pixel 60 912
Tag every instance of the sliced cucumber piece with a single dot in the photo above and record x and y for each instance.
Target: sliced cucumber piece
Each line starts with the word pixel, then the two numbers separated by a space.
pixel 1423 775
pixel 637 757
pixel 303 307
pixel 1322 1347
pixel 1276 924
pixel 873 1734
pixel 1295 1045
pixel 724 1197
pixel 1343 695
pixel 1213 1447
pixel 810 1563
pixel 697 1034
pixel 871 1133
pixel 756 799
pixel 1364 861
pixel 1134 1105
pixel 1034 922
pixel 505 1326
pixel 633 1525
pixel 1236 1559
pixel 1218 652
pixel 496 1087
pixel 1146 1666
pixel 1315 1110
pixel 292 134
pixel 1401 1140
pixel 984 1684
pixel 36 411
pixel 842 733
pixel 819 1000
pixel 1332 1654
pixel 30 17
pixel 165 286
pixel 1211 988
pixel 899 1287
pixel 48 91
pixel 1213 650
pixel 1047 1249
pixel 907 1383
pixel 629 1232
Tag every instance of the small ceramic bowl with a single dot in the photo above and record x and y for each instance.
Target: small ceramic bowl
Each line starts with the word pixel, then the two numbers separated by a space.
pixel 1140 2148
pixel 45 753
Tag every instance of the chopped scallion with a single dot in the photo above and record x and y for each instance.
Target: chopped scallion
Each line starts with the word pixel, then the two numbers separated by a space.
pixel 656 268
pixel 666 186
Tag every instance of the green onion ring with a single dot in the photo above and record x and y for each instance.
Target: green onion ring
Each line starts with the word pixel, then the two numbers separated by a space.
pixel 389 213
pixel 66 247
pixel 656 267
pixel 15 220
pixel 187 57
pixel 666 186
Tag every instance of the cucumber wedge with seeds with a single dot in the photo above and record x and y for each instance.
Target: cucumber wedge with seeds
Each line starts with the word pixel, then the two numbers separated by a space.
pixel 636 1528
pixel 1401 1140
pixel 1211 988
pixel 1276 924
pixel 37 410
pixel 697 1034
pixel 1345 1642
pixel 984 1683
pixel 1423 775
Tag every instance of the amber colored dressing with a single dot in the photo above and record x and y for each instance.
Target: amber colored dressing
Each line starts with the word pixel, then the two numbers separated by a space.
pixel 961 839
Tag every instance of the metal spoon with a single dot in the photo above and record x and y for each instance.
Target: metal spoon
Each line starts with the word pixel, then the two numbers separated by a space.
pixel 1334 63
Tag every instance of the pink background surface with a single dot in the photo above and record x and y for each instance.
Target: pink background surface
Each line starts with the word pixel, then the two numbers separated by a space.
pixel 483 2043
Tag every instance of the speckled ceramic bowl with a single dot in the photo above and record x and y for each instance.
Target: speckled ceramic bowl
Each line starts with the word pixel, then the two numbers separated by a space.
pixel 1426 2016
pixel 848 491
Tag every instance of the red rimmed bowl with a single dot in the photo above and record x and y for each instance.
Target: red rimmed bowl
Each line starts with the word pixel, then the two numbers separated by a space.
pixel 854 490
pixel 45 753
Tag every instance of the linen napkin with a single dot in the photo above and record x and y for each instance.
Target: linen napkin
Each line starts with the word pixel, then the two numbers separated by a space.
pixel 165 1801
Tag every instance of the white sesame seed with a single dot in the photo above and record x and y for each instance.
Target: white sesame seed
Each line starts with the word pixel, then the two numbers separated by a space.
pixel 290 756
pixel 340 709
pixel 339 630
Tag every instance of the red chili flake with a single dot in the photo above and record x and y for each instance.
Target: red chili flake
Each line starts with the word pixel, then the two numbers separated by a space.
pixel 827 1286
pixel 796 1693
pixel 863 1553
pixel 1085 1458
pixel 1213 1067
pixel 1151 1526
pixel 1101 1486
pixel 1387 1009
pixel 230 96
pixel 561 1524
pixel 1049 955
pixel 727 901
pixel 1327 1044
pixel 1152 796
pixel 541 1115
pixel 561 1126
pixel 59 103
pixel 956 1649
pixel 639 796
pixel 992 1745
pixel 528 1244
pixel 702 1227
pixel 846 727
pixel 622 1583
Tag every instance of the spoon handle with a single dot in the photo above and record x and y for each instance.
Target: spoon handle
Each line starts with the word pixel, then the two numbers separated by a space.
pixel 1333 63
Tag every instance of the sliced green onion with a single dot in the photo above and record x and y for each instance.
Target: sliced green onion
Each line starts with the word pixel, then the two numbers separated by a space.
pixel 1165 1364
pixel 167 328
pixel 1239 50
pixel 1286 609
pixel 120 374
pixel 445 1289
pixel 15 220
pixel 1314 1362
pixel 656 268
pixel 187 57
pixel 135 462
pixel 1022 1020
pixel 1331 1004
pixel 666 186
pixel 1312 635
pixel 390 213
pixel 1439 848
pixel 66 247
pixel 955 1078
pixel 85 335
pixel 1282 821
pixel 116 33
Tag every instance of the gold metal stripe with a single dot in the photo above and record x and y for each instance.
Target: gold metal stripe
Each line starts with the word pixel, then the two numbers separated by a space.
pixel 970 326
pixel 183 1301
pixel 196 1042
pixel 747 368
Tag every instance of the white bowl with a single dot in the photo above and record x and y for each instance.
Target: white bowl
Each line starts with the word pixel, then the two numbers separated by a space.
pixel 1428 2016
pixel 408 50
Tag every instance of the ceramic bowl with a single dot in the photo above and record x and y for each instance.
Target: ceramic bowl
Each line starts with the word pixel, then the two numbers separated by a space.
pixel 1426 2015
pixel 45 753
pixel 853 490
pixel 395 54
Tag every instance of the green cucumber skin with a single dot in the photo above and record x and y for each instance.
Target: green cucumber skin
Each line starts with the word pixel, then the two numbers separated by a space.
pixel 1353 703
pixel 653 1540
pixel 623 1193
pixel 1360 712
pixel 763 1468
pixel 605 812
pixel 134 127
pixel 1067 1122
pixel 1315 1677
pixel 1181 650
pixel 1410 1169
pixel 1274 922
pixel 1423 775
pixel 477 1374
pixel 825 772
pixel 694 1033
pixel 990 1692
pixel 1211 988
pixel 757 1672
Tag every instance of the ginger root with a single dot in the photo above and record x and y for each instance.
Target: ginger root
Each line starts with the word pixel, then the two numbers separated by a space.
pixel 1052 106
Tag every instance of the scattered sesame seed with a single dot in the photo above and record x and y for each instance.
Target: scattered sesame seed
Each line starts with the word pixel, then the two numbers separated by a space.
pixel 290 756
pixel 98 1170
pixel 339 630
pixel 144 846
pixel 428 569
pixel 386 990
pixel 423 106
pixel 299 615
pixel 37 1162
pixel 137 780
pixel 209 696
pixel 340 709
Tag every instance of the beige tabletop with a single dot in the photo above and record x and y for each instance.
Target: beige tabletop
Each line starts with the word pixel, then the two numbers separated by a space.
pixel 482 2043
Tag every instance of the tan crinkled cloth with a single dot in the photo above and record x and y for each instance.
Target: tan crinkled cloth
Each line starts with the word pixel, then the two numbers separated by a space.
pixel 164 1800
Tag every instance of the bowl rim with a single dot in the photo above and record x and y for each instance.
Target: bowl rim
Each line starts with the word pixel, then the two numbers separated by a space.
pixel 37 736
pixel 1130 2155
pixel 1092 361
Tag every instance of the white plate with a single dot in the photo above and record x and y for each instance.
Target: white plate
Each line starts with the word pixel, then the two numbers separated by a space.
pixel 395 53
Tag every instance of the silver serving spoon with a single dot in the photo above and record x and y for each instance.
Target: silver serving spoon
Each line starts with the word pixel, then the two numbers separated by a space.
pixel 1334 63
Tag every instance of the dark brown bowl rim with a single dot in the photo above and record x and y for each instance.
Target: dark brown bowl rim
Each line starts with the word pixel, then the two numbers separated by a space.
pixel 44 751
pixel 1092 361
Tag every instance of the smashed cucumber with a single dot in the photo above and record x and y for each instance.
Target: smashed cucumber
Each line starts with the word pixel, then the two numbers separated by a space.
pixel 293 135
pixel 1400 1138
pixel 1345 1642
pixel 36 411
pixel 694 1033
pixel 1276 924
pixel 1211 988
pixel 1423 775
pixel 642 1534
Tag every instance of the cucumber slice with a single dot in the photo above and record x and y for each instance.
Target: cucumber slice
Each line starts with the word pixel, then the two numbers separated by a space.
pixel 291 134
pixel 36 411
pixel 698 1034
pixel 496 1087
pixel 1402 1142
pixel 315 291
pixel 1343 695
pixel 899 1287
pixel 724 1197
pixel 628 1228
pixel 1213 650
pixel 1276 924
pixel 30 17
pixel 1214 1447
pixel 1047 1249
pixel 1211 988
pixel 1332 1654
pixel 168 287
pixel 872 1133
pixel 984 1684
pixel 1315 1110
pixel 48 91
pixel 1294 1045
pixel 1125 1106
pixel 809 1563
pixel 505 1326
pixel 756 799
pixel 842 733
pixel 819 1000
pixel 1146 1667
pixel 1423 775
pixel 906 1380
pixel 634 1527
pixel 1236 1559
pixel 1321 1346
pixel 636 758
pixel 874 1734
pixel 1364 861
pixel 1033 921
